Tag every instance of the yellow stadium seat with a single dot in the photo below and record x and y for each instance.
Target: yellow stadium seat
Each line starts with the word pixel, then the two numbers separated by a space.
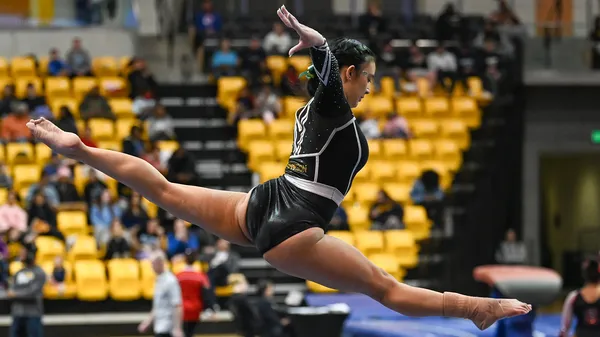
pixel 148 276
pixel 105 66
pixel 358 217
pixel 423 87
pixel 369 242
pixel 389 263
pixel 407 172
pixel 13 149
pixel 409 107
pixel 113 145
pixel 365 192
pixel 3 195
pixel 277 64
pixel 14 267
pixel 346 236
pixel 42 153
pixel 282 129
pixel 168 145
pixel 291 105
pixel 71 103
pixel 466 108
pixel 124 279
pixel 84 248
pixel 436 106
pixel 26 174
pixel 415 219
pixel 52 291
pixel 22 66
pixel 151 208
pixel 228 89
pixel 48 248
pixel 271 170
pixel 394 148
pixel 82 85
pixel 4 68
pixel 379 105
pixel 283 149
pixel 364 175
pixel 383 171
pixel 420 149
pixel 21 84
pixel 23 193
pixel 424 128
pixel 260 151
pixel 90 280
pixel 388 87
pixel 401 243
pixel 398 192
pixel 456 130
pixel 122 107
pixel 124 65
pixel 300 62
pixel 123 126
pixel 375 151
pixel 178 267
pixel 318 288
pixel 250 130
pixel 102 129
pixel 72 222
pixel 476 90
pixel 113 87
pixel 448 152
pixel 57 87
pixel 42 68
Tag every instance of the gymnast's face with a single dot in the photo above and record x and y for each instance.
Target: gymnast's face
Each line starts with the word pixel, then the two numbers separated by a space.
pixel 357 82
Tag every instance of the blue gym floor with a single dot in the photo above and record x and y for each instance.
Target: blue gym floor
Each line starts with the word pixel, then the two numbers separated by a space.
pixel 370 319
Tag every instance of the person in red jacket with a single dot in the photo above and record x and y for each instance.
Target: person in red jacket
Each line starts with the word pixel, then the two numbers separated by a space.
pixel 195 293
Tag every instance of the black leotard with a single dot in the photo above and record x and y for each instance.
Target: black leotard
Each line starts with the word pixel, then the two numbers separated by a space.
pixel 329 150
pixel 587 314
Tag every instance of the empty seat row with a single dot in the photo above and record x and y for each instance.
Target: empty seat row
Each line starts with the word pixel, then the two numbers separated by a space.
pixel 25 66
pixel 63 87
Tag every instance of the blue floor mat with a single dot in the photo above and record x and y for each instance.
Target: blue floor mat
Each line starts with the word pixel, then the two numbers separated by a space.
pixel 368 318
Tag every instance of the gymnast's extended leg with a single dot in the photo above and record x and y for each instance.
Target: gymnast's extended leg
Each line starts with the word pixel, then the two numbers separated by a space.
pixel 312 255
pixel 219 212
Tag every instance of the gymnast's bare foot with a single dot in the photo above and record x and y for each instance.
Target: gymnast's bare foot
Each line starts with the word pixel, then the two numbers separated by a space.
pixel 65 143
pixel 486 311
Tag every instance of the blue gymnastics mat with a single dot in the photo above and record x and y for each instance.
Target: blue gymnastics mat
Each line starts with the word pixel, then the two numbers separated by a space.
pixel 370 319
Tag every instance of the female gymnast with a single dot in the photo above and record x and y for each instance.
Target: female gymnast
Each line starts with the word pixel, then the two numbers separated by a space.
pixel 284 218
pixel 584 304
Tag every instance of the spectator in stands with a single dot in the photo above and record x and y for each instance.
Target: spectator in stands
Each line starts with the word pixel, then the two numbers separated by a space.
pixel 79 60
pixel 8 99
pixel 152 156
pixel 143 106
pixel 443 64
pixel 511 250
pixel 268 106
pixel 4 259
pixel 594 38
pixel 12 215
pixel 182 168
pixel 468 64
pixel 428 193
pixel 244 313
pixel 160 125
pixel 390 62
pixel 56 65
pixel 290 82
pixel 245 106
pixel 141 80
pixel 490 32
pixel 32 99
pixel 373 23
pixel 41 111
pixel 396 126
pixel 67 192
pixel 51 169
pixel 272 324
pixel 94 187
pixel 87 138
pixel 95 105
pixel 66 121
pixel 206 24
pixel 254 60
pixel 225 61
pixel 147 238
pixel 508 22
pixel 46 188
pixel 59 275
pixel 180 240
pixel 222 263
pixel 417 68
pixel 369 125
pixel 134 144
pixel 118 245
pixel 386 213
pixel 5 178
pixel 277 41
pixel 448 24
pixel 42 217
pixel 339 221
pixel 102 214
pixel 13 125
pixel 135 215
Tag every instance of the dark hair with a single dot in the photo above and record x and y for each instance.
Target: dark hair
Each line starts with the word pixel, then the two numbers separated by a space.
pixel 430 180
pixel 347 52
pixel 190 257
pixel 591 272
pixel 262 286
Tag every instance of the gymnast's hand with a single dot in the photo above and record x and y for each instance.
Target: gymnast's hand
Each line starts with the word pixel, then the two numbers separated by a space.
pixel 66 143
pixel 308 36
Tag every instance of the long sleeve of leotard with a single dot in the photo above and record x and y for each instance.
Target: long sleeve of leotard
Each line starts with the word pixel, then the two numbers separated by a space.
pixel 567 313
pixel 329 99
